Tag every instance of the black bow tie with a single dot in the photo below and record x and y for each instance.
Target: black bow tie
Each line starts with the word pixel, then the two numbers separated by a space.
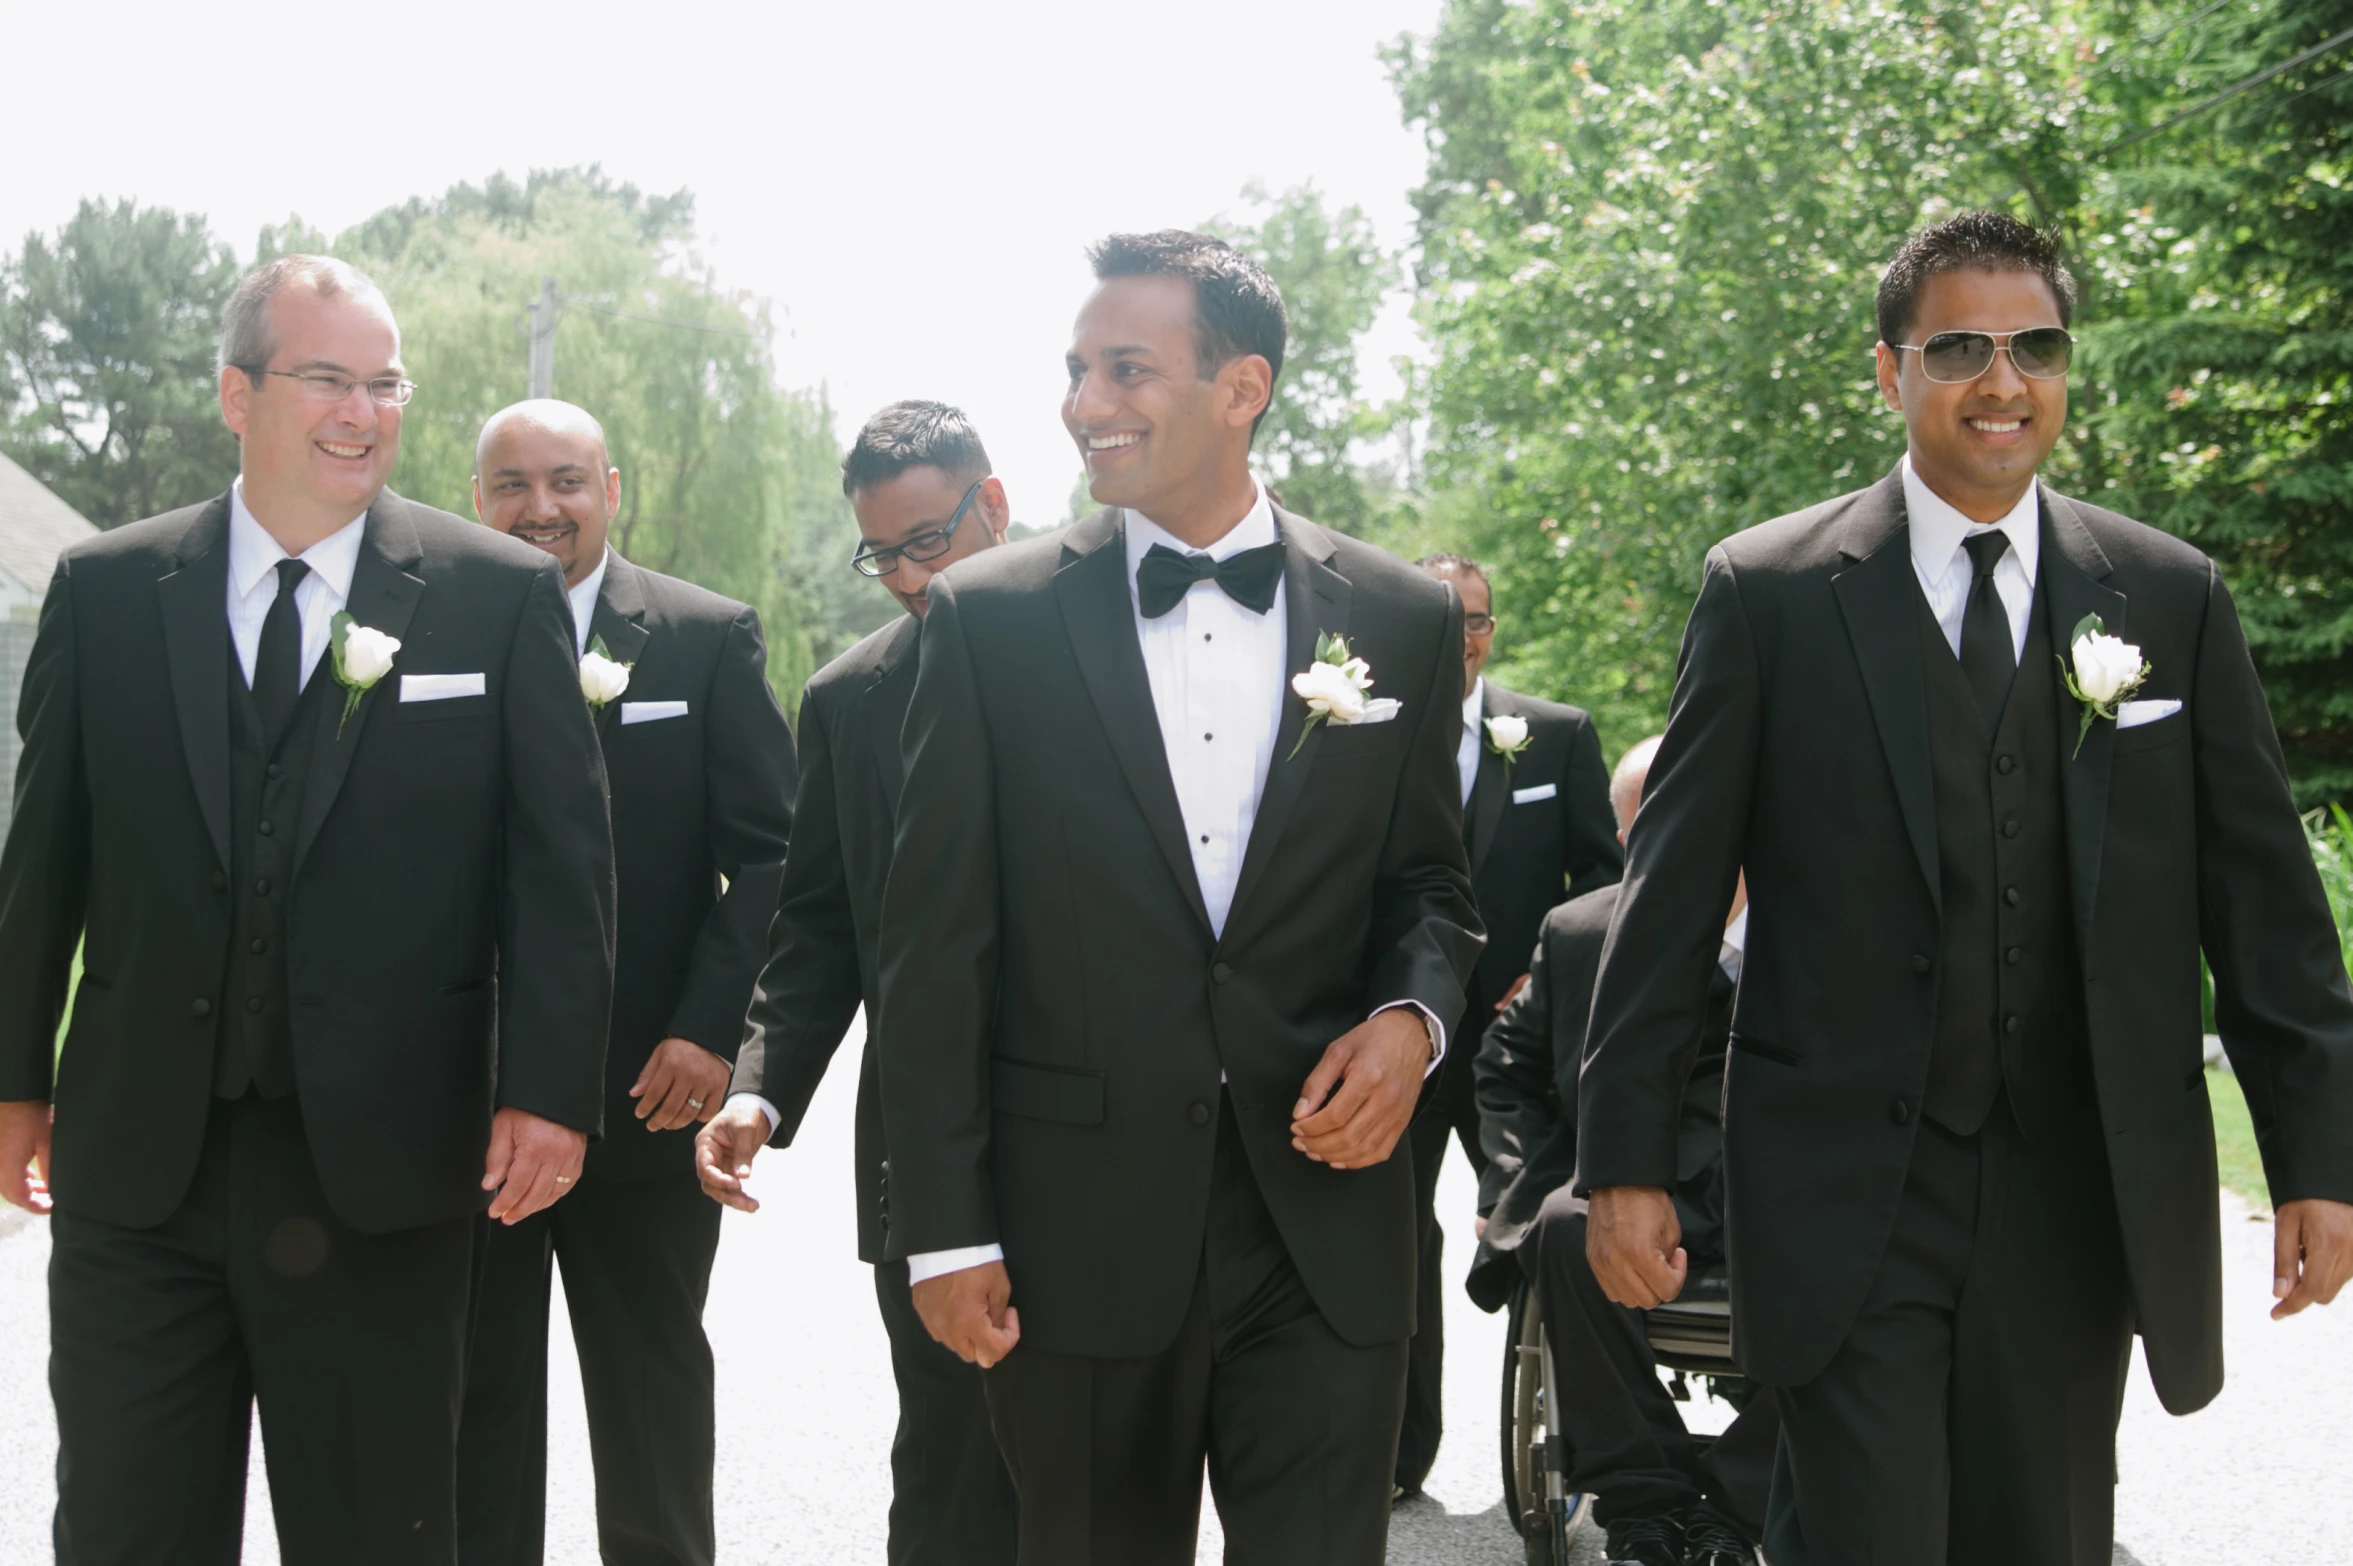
pixel 1249 578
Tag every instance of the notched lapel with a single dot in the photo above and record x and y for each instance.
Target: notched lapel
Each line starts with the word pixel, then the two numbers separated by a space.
pixel 2075 584
pixel 384 597
pixel 619 617
pixel 1315 604
pixel 1490 788
pixel 1879 597
pixel 195 600
pixel 886 710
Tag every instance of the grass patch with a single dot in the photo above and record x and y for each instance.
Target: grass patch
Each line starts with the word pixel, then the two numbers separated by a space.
pixel 2234 1139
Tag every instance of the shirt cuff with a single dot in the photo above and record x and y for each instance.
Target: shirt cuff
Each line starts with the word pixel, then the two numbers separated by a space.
pixel 933 1264
pixel 766 1108
pixel 1430 1020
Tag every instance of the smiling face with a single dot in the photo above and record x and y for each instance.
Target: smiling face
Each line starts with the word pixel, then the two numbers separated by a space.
pixel 310 465
pixel 919 500
pixel 544 478
pixel 1977 444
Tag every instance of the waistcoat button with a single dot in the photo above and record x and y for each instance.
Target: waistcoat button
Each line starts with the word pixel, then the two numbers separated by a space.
pixel 1920 964
pixel 1198 1114
pixel 1899 1111
pixel 200 1007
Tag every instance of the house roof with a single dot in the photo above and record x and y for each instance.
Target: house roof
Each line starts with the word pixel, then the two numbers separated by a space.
pixel 35 527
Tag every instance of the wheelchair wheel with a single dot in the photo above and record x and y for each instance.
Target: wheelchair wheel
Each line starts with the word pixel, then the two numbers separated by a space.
pixel 1545 1514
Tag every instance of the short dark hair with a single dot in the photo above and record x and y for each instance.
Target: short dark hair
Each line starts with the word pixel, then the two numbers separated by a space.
pixel 912 434
pixel 1236 307
pixel 1459 565
pixel 1973 242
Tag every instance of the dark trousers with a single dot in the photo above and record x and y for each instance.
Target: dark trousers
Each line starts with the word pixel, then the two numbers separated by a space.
pixel 162 1341
pixel 1298 1428
pixel 1628 1447
pixel 1453 1112
pixel 637 1263
pixel 952 1501
pixel 1970 1415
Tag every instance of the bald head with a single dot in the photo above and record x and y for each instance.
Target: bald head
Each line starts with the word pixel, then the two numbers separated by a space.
pixel 1626 782
pixel 541 474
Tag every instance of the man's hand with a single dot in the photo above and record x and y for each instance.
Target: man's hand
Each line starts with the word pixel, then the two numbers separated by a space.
pixel 681 1084
pixel 1635 1245
pixel 723 1154
pixel 2318 1234
pixel 24 1154
pixel 1513 993
pixel 969 1311
pixel 1357 1101
pixel 531 1162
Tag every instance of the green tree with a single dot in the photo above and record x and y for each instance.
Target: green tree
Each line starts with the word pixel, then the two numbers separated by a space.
pixel 107 331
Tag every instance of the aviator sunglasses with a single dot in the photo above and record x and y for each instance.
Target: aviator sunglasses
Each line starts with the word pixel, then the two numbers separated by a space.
pixel 2041 353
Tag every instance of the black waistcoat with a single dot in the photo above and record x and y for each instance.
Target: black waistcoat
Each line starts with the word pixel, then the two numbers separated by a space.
pixel 255 1049
pixel 2010 998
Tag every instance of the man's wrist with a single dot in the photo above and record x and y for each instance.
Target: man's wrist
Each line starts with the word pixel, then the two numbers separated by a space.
pixel 774 1119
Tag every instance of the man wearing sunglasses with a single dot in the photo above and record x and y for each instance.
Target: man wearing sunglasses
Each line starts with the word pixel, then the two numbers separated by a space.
pixel 919 482
pixel 1967 1145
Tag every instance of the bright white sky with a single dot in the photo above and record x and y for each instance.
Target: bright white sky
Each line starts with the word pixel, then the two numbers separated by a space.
pixel 911 184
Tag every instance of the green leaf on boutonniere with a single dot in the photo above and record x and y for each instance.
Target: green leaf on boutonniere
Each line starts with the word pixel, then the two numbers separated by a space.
pixel 361 657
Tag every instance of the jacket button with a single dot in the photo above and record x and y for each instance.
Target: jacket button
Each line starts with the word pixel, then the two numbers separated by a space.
pixel 274 770
pixel 1198 1114
pixel 2005 764
pixel 1220 973
pixel 258 946
pixel 2013 954
pixel 2010 895
pixel 2012 1026
pixel 266 829
pixel 200 1007
pixel 1899 1111
pixel 261 888
pixel 1920 964
pixel 220 882
pixel 253 1003
pixel 2010 827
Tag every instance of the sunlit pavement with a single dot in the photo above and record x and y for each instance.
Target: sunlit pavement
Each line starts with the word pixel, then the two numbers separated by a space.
pixel 805 1405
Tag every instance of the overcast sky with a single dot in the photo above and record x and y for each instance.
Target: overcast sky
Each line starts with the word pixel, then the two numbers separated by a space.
pixel 910 184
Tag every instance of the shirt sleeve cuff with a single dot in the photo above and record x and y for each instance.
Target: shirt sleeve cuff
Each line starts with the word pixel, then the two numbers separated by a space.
pixel 1437 1029
pixel 933 1264
pixel 766 1108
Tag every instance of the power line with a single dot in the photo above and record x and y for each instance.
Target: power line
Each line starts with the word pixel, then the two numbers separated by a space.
pixel 2163 33
pixel 2232 91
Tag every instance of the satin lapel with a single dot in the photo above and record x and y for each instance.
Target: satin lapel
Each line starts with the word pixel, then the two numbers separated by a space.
pixel 894 683
pixel 195 600
pixel 619 617
pixel 1315 603
pixel 1100 618
pixel 1490 787
pixel 383 597
pixel 2075 572
pixel 1879 596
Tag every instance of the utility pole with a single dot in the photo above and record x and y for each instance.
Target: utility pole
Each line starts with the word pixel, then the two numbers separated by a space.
pixel 543 340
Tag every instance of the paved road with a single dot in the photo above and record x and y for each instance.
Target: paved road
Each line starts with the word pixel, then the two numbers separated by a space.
pixel 805 1407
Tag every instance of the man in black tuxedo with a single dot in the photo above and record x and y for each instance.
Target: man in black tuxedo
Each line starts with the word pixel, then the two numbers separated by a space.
pixel 305 774
pixel 1159 1009
pixel 1662 1501
pixel 700 767
pixel 1967 1145
pixel 1537 827
pixel 918 478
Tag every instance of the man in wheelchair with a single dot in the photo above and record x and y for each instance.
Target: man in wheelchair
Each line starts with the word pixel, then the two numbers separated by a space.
pixel 1666 1497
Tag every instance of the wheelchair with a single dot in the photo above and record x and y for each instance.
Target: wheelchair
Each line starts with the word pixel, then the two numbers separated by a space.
pixel 1691 1336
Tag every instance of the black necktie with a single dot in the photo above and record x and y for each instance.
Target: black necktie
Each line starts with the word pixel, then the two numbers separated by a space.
pixel 1249 578
pixel 277 668
pixel 1987 656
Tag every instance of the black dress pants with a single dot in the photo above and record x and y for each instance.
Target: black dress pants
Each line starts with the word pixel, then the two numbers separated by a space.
pixel 1298 1427
pixel 1453 1112
pixel 952 1501
pixel 1970 1416
pixel 1628 1446
pixel 637 1264
pixel 162 1341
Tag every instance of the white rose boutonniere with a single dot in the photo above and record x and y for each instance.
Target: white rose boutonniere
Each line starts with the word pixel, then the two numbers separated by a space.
pixel 601 677
pixel 1507 736
pixel 1337 688
pixel 362 657
pixel 2107 671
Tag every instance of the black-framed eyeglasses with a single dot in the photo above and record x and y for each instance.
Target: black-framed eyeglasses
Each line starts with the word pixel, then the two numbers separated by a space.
pixel 2040 352
pixel 927 545
pixel 392 391
pixel 1478 624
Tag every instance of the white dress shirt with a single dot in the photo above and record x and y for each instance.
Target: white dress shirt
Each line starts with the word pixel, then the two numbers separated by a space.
pixel 1734 952
pixel 1944 568
pixel 583 599
pixel 1466 753
pixel 253 583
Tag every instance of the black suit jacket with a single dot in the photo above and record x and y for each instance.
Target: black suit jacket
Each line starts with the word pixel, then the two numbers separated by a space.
pixel 450 929
pixel 1055 1009
pixel 822 964
pixel 702 806
pixel 1798 747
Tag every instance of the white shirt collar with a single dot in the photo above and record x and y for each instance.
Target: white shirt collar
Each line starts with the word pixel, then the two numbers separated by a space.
pixel 253 554
pixel 1257 527
pixel 583 600
pixel 1474 703
pixel 1938 529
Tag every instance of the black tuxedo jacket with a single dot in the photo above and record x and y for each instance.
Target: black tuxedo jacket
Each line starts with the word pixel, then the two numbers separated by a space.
pixel 822 964
pixel 1798 747
pixel 702 805
pixel 1055 1010
pixel 450 928
pixel 1530 855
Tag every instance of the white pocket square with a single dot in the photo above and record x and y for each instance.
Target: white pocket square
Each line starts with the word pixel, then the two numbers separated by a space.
pixel 650 711
pixel 1529 796
pixel 2132 714
pixel 441 687
pixel 1381 709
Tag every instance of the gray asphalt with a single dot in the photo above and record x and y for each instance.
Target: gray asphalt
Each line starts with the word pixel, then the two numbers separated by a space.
pixel 805 1406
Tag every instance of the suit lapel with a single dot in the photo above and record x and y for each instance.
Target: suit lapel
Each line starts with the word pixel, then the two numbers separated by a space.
pixel 619 617
pixel 895 669
pixel 1879 597
pixel 2075 572
pixel 1315 603
pixel 1099 616
pixel 383 597
pixel 195 600
pixel 1490 786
